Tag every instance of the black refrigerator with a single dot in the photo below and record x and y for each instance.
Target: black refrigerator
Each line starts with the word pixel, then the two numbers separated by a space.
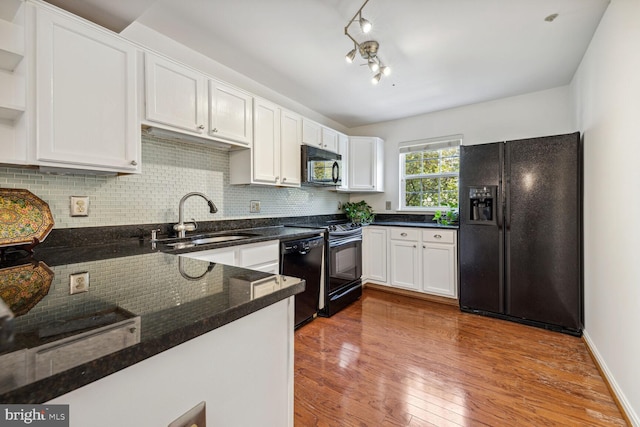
pixel 521 231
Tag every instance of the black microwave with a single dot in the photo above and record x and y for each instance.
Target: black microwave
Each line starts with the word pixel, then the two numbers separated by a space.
pixel 321 167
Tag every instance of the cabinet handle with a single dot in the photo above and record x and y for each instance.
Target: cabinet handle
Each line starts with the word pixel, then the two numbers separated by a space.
pixel 414 246
pixel 284 179
pixel 214 130
pixel 424 247
pixel 277 178
pixel 437 236
pixel 134 163
pixel 132 330
pixel 201 127
pixel 403 234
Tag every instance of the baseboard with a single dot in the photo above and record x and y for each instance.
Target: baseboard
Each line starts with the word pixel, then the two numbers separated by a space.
pixel 408 293
pixel 618 396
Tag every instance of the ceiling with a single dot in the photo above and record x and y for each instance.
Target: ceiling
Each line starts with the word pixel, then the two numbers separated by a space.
pixel 443 54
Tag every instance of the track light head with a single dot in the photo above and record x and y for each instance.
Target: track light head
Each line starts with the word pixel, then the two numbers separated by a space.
pixel 385 70
pixel 373 65
pixel 365 25
pixel 350 56
pixel 375 79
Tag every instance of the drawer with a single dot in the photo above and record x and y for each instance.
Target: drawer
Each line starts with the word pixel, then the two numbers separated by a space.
pixel 403 233
pixel 259 253
pixel 434 235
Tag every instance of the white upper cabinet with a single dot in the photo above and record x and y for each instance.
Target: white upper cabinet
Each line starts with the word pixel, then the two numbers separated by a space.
pixel 311 133
pixel 329 139
pixel 230 113
pixel 13 71
pixel 184 100
pixel 274 157
pixel 175 95
pixel 290 141
pixel 343 150
pixel 266 147
pixel 86 107
pixel 316 135
pixel 366 164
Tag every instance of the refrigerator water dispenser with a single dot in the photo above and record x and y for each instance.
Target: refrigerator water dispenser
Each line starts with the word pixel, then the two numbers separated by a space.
pixel 482 204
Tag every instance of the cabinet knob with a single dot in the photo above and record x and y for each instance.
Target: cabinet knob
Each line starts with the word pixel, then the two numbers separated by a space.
pixel 277 178
pixel 284 179
pixel 201 127
pixel 424 247
pixel 134 163
pixel 132 330
pixel 437 236
pixel 414 246
pixel 214 130
pixel 403 234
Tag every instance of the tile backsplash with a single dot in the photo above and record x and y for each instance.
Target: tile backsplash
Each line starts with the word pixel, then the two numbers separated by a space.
pixel 169 171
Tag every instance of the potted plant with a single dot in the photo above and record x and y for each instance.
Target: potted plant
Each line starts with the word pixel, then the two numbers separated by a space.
pixel 358 212
pixel 448 217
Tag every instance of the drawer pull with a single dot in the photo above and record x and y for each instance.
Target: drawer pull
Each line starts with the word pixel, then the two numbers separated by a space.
pixel 403 234
pixel 437 236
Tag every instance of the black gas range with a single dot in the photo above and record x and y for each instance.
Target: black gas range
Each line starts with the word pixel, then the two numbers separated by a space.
pixel 342 275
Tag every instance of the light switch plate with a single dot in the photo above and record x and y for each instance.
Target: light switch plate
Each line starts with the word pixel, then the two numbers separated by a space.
pixel 194 417
pixel 254 206
pixel 79 205
pixel 78 282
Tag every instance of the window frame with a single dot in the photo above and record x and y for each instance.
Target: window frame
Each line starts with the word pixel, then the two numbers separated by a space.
pixel 432 144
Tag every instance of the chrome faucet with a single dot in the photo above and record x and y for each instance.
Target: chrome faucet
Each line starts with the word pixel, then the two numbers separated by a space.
pixel 181 227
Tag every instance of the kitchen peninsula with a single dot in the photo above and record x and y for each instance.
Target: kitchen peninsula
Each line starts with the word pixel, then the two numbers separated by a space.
pixel 150 321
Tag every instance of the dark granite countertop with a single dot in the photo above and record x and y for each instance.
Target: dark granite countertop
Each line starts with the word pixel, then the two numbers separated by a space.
pixel 148 298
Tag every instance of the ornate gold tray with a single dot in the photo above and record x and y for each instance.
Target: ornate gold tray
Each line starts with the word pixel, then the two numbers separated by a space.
pixel 24 218
pixel 23 286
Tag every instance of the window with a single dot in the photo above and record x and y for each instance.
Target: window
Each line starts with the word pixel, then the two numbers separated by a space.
pixel 429 173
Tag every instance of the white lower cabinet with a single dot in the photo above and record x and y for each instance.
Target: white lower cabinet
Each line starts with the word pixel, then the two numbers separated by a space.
pixel 243 371
pixel 439 262
pixel 374 256
pixel 262 256
pixel 405 260
pixel 423 260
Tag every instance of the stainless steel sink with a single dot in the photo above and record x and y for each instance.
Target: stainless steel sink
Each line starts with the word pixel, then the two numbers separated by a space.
pixel 205 240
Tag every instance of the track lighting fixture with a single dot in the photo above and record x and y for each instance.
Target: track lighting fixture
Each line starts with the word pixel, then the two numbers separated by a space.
pixel 368 50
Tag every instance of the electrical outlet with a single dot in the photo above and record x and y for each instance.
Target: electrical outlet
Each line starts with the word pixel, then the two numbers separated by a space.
pixel 78 282
pixel 254 206
pixel 79 205
pixel 196 416
pixel 387 205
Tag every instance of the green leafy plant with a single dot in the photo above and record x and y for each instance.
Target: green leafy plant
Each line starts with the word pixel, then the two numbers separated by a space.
pixel 447 217
pixel 358 212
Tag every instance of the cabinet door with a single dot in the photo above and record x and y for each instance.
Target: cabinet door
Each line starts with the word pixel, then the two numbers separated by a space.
pixel 230 113
pixel 174 95
pixel 362 164
pixel 311 133
pixel 266 144
pixel 86 105
pixel 439 269
pixel 329 139
pixel 374 248
pixel 290 139
pixel 343 150
pixel 405 271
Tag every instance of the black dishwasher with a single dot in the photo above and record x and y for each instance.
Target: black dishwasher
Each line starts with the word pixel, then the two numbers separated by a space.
pixel 303 259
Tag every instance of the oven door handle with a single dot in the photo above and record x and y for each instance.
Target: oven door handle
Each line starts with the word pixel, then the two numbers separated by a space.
pixel 344 241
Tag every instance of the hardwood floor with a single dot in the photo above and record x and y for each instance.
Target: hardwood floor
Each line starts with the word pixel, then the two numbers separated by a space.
pixel 391 360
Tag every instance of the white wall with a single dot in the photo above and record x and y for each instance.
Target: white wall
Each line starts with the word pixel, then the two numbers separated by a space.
pixel 606 92
pixel 536 114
